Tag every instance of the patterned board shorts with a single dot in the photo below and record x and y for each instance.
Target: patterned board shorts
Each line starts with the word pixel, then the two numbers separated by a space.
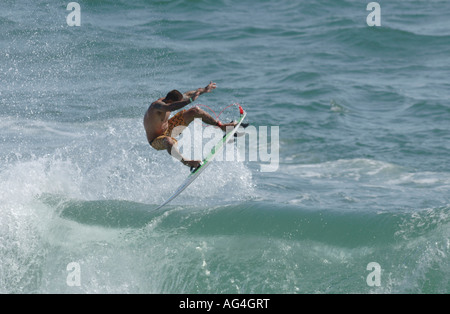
pixel 160 143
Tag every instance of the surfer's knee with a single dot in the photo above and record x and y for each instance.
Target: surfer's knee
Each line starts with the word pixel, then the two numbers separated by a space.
pixel 190 114
pixel 169 142
pixel 194 112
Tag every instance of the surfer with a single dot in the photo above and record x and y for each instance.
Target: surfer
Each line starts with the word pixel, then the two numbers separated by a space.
pixel 161 131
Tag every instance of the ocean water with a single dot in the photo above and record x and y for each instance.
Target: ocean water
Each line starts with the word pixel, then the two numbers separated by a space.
pixel 364 144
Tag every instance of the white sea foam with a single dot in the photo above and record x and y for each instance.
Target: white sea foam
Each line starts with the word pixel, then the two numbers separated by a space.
pixel 367 171
pixel 101 161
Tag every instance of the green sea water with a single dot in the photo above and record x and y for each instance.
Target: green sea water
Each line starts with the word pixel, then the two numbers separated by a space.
pixel 364 143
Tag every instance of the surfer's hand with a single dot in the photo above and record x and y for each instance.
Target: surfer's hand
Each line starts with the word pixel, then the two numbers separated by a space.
pixel 211 86
pixel 205 90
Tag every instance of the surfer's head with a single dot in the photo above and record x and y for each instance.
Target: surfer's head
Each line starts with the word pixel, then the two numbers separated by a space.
pixel 173 96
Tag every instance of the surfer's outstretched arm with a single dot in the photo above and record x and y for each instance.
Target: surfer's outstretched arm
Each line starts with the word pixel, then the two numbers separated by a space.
pixel 188 97
pixel 200 91
pixel 164 107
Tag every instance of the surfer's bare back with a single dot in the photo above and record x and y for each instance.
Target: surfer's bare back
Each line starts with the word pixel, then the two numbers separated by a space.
pixel 161 131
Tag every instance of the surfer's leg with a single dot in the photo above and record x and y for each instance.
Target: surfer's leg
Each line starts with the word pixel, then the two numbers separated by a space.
pixel 198 113
pixel 171 145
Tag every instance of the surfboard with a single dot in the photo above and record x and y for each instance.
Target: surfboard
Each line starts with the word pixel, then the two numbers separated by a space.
pixel 207 160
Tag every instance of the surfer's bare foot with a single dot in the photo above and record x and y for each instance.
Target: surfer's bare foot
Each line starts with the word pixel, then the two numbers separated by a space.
pixel 192 163
pixel 227 126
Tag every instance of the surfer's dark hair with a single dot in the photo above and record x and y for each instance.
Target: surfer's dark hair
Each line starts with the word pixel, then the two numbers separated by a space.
pixel 174 95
